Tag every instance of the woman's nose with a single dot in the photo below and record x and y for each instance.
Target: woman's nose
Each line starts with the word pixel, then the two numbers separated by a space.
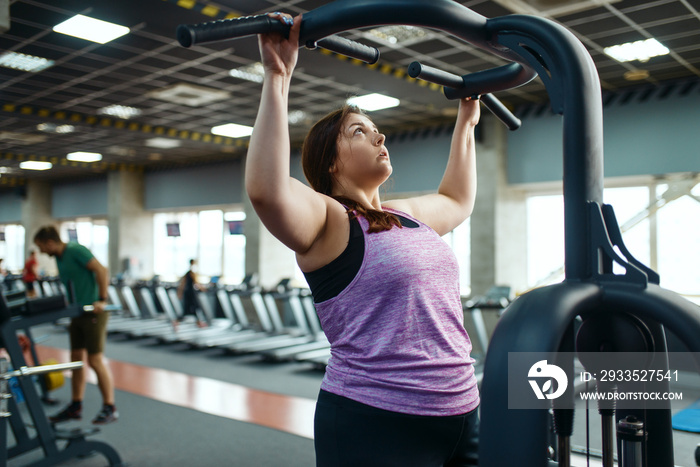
pixel 380 139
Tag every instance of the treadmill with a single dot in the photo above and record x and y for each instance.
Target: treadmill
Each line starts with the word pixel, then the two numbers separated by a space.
pixel 321 342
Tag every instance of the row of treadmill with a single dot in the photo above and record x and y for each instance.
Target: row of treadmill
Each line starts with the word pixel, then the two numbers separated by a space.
pixel 279 324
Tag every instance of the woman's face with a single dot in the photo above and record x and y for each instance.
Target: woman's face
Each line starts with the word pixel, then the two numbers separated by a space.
pixel 362 157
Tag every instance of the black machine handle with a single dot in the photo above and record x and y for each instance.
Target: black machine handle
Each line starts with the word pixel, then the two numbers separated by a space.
pixel 454 82
pixel 347 47
pixel 191 34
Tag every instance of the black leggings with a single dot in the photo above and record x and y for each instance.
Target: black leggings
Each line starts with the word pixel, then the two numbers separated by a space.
pixel 351 434
pixel 189 303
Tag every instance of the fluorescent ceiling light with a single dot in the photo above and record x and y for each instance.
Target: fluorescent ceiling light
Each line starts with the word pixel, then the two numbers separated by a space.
pixel 399 35
pixel 254 72
pixel 35 165
pixel 639 50
pixel 91 29
pixel 232 130
pixel 22 138
pixel 53 128
pixel 636 75
pixel 296 116
pixel 372 102
pixel 163 143
pixel 84 156
pixel 189 94
pixel 18 61
pixel 120 111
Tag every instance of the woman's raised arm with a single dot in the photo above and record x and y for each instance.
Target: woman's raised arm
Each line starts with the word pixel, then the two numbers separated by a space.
pixel 454 200
pixel 291 211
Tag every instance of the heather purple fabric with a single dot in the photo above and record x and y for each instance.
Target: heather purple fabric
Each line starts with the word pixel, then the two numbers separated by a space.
pixel 397 337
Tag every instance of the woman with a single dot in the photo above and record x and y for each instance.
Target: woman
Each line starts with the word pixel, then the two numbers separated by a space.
pixel 399 388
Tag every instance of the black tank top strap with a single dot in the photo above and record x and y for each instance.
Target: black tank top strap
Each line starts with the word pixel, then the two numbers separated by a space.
pixel 331 279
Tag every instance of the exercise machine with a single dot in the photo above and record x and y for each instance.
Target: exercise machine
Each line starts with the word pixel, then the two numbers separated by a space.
pixel 495 300
pixel 39 433
pixel 542 320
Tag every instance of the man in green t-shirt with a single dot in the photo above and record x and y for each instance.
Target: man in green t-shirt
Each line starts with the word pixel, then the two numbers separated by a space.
pixel 86 279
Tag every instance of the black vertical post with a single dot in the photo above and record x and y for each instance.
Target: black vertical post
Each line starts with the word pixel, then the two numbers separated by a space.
pixel 572 83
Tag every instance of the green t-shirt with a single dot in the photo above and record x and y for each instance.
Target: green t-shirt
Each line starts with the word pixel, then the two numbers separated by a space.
pixel 72 268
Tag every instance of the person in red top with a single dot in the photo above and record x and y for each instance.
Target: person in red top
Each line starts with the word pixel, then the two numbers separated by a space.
pixel 29 274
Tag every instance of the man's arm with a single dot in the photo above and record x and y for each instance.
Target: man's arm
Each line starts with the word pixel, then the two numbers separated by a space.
pixel 102 277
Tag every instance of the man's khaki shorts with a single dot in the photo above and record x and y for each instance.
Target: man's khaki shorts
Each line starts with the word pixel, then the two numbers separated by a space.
pixel 89 332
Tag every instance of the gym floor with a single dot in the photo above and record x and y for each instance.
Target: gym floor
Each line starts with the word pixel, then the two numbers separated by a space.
pixel 183 407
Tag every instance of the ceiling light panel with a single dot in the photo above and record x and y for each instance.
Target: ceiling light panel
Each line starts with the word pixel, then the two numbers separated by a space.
pixel 254 72
pixel 22 138
pixel 297 116
pixel 35 165
pixel 81 156
pixel 399 35
pixel 23 62
pixel 120 111
pixel 374 101
pixel 189 94
pixel 91 29
pixel 53 128
pixel 233 130
pixel 641 50
pixel 163 143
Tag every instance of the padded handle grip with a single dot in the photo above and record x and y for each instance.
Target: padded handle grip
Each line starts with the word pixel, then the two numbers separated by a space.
pixel 191 34
pixel 450 80
pixel 348 48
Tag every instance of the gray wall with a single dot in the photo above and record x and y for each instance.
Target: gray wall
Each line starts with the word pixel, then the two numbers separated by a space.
pixel 657 136
pixel 10 207
pixel 419 161
pixel 195 186
pixel 86 198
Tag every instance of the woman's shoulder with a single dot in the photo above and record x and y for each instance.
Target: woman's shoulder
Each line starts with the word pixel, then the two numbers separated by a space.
pixel 399 206
pixel 332 239
pixel 335 209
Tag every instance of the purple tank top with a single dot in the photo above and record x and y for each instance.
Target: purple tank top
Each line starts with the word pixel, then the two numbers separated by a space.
pixel 397 338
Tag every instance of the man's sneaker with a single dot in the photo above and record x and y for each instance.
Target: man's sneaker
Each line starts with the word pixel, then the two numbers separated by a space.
pixel 108 414
pixel 72 412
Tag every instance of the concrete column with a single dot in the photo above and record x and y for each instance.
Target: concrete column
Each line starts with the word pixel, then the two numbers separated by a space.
pixel 498 223
pixel 130 226
pixel 36 213
pixel 264 254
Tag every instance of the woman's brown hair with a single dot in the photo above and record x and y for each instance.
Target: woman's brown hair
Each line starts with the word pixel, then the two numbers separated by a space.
pixel 319 153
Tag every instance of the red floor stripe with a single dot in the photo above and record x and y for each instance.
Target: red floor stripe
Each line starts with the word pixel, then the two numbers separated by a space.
pixel 286 413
